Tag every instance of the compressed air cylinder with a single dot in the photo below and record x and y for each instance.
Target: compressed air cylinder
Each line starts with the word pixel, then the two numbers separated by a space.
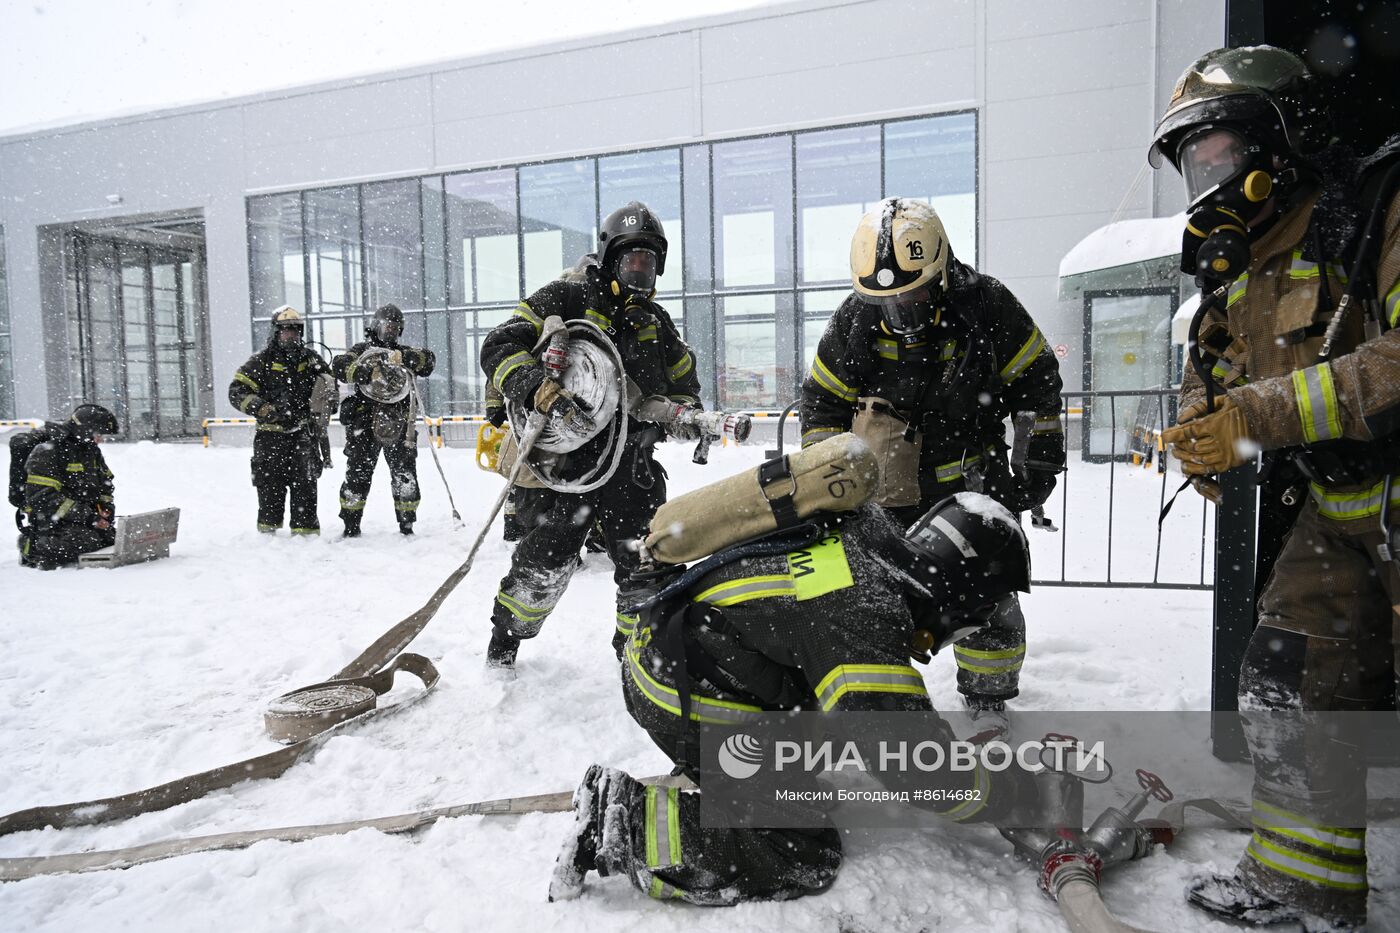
pixel 839 474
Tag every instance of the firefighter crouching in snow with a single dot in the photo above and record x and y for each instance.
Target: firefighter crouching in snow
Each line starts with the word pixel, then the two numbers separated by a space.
pixel 381 416
pixel 65 501
pixel 276 386
pixel 758 636
pixel 614 291
pixel 1278 218
pixel 925 360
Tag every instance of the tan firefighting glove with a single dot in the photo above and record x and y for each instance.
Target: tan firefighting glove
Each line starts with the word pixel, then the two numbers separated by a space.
pixel 1211 443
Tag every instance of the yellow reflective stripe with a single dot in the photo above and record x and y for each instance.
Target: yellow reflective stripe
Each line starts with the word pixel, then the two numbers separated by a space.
pixel 1312 869
pixel 1264 810
pixel 663 826
pixel 867 678
pixel 626 622
pixel 1392 305
pixel 1024 357
pixel 744 589
pixel 969 808
pixel 306 531
pixel 819 569
pixel 278 367
pixel 1332 843
pixel 662 890
pixel 64 508
pixel 682 366
pixel 247 403
pixel 825 378
pixel 702 708
pixel 264 526
pixel 1348 506
pixel 602 320
pixel 75 468
pixel 509 365
pixel 887 348
pixel 521 611
pixel 301 367
pixel 995 661
pixel 1299 268
pixel 240 376
pixel 1049 424
pixel 947 472
pixel 1316 395
pixel 352 505
pixel 1237 290
pixel 406 505
pixel 814 435
pixel 528 313
pixel 647 333
pixel 36 480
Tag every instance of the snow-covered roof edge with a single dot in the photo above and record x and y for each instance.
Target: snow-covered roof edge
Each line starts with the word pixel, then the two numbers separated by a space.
pixel 1124 243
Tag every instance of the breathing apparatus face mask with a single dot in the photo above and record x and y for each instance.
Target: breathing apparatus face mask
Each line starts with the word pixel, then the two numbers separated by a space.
pixel 908 312
pixel 289 335
pixel 1228 181
pixel 636 271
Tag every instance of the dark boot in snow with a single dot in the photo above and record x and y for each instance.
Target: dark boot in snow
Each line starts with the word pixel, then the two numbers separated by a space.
pixel 405 528
pixel 1231 897
pixel 352 527
pixel 500 653
pixel 601 838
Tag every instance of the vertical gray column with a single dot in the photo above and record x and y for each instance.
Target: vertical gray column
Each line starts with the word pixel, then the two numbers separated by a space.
pixel 1235 523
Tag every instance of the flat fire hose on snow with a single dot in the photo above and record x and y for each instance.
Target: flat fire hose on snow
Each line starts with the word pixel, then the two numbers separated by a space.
pixel 18 869
pixel 302 719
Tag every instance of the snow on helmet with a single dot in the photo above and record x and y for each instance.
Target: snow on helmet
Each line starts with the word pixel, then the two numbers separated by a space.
pixel 899 261
pixel 975 550
pixel 1262 91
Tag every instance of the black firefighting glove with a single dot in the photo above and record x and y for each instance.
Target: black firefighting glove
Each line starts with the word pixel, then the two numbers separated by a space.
pixel 1029 488
pixel 496 416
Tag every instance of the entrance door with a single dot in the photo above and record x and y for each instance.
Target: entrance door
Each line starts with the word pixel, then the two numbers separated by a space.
pixel 138 332
pixel 1127 339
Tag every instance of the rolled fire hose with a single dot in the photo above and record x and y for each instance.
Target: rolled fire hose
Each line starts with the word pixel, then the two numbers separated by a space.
pixel 306 717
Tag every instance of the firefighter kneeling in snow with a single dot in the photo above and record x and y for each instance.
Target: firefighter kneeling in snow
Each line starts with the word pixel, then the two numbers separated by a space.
pixel 65 503
pixel 758 637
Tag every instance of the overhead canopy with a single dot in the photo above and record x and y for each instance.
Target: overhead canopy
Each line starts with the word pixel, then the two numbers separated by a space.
pixel 1125 243
pixel 1181 320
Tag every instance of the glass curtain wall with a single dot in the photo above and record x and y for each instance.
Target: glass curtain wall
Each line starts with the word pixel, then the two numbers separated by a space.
pixel 759 234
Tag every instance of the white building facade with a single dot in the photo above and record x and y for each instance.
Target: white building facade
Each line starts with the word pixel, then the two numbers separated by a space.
pixel 142 256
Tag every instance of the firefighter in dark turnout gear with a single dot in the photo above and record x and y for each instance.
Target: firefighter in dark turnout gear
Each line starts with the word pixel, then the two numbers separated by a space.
pixel 275 387
pixel 1295 230
pixel 613 289
pixel 371 426
pixel 829 627
pixel 925 360
pixel 66 508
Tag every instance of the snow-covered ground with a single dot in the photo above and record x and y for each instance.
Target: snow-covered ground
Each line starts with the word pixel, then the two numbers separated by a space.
pixel 113 680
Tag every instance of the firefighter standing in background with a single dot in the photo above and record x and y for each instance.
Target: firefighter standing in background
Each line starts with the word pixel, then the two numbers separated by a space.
pixel 614 290
pixel 373 423
pixel 275 386
pixel 1279 219
pixel 66 500
pixel 925 360
pixel 758 635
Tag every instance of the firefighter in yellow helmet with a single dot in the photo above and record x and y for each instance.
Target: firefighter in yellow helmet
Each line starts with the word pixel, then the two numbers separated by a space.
pixel 1296 244
pixel 275 387
pixel 925 360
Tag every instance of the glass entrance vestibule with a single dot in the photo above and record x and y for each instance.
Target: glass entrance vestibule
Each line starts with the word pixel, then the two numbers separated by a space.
pixel 138 331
